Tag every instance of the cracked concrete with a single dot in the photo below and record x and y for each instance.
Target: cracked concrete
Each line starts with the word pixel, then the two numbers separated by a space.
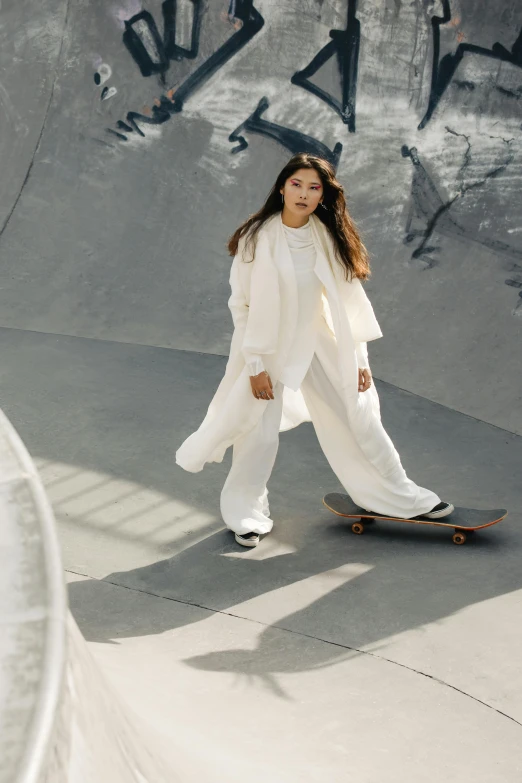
pixel 467 154
pixel 433 220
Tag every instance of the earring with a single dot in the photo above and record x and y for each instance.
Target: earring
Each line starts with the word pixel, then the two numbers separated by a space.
pixel 282 198
pixel 322 205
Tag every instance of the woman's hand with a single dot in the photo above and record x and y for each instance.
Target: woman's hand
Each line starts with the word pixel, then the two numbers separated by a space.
pixel 365 380
pixel 262 386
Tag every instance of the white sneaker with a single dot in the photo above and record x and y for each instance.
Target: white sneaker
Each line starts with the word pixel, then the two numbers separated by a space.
pixel 439 511
pixel 247 539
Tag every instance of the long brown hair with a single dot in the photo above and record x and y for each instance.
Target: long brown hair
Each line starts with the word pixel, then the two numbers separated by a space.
pixel 350 250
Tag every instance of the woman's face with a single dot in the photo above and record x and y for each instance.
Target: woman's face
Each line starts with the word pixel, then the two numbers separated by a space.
pixel 303 192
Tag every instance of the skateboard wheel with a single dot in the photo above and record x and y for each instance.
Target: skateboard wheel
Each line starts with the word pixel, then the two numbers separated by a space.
pixel 459 538
pixel 358 528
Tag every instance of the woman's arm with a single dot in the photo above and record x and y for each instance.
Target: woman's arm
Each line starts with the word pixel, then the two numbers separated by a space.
pixel 240 280
pixel 361 349
pixel 363 323
pixel 237 302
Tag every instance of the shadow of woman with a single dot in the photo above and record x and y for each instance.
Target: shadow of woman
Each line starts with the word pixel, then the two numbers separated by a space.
pixel 401 579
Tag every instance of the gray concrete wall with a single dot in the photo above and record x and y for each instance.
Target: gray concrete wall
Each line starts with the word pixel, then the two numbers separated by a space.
pixel 126 184
pixel 60 721
pixel 33 616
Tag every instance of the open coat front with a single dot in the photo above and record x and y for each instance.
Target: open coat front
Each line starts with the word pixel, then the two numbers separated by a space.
pixel 264 310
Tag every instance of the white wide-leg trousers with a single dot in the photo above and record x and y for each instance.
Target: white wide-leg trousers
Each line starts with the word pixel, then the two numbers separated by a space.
pixel 244 498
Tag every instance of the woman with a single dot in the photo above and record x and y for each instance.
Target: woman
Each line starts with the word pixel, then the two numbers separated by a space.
pixel 298 353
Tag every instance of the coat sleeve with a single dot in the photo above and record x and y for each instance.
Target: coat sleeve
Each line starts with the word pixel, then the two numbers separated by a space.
pixel 361 349
pixel 254 303
pixel 255 363
pixel 237 302
pixel 363 323
pixel 240 310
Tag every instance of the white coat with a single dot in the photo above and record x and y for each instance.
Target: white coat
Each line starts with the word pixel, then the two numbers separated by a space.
pixel 263 304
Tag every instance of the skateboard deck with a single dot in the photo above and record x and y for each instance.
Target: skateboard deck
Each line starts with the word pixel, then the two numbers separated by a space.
pixel 462 520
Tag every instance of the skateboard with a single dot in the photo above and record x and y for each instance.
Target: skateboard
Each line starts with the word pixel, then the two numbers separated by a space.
pixel 463 520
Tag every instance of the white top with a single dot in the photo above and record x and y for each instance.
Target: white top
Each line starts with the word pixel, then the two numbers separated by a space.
pixel 309 287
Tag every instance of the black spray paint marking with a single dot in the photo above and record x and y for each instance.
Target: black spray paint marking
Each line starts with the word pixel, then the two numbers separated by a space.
pixel 509 93
pixel 119 136
pixel 443 69
pixel 152 53
pixel 104 73
pixel 429 208
pixel 426 207
pixel 107 93
pixel 344 45
pixel 464 85
pixel 517 284
pixel 293 140
pixel 251 23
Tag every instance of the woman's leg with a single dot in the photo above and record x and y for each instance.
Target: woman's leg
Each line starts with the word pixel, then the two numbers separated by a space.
pixel 395 495
pixel 244 498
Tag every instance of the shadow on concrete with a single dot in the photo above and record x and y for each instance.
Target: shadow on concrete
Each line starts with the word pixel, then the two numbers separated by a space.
pixel 390 581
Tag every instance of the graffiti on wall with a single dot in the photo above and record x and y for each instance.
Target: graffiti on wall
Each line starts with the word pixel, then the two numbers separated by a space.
pixel 432 212
pixel 175 50
pixel 293 140
pixel 444 69
pixel 344 46
pixel 154 54
pixel 429 210
pixel 103 74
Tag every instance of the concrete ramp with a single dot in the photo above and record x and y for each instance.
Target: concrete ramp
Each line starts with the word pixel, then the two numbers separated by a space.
pixel 135 137
pixel 60 720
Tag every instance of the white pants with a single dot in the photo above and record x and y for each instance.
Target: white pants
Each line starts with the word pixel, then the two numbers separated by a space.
pixel 244 498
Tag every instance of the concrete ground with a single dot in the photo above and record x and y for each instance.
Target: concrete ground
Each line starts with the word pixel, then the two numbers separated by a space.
pixel 318 656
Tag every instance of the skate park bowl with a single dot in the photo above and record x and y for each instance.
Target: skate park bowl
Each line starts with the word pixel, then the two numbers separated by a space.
pixel 154 128
pixel 59 719
pixel 135 136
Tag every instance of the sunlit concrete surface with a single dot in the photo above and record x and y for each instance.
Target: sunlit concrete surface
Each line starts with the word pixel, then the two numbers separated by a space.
pixel 103 734
pixel 272 704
